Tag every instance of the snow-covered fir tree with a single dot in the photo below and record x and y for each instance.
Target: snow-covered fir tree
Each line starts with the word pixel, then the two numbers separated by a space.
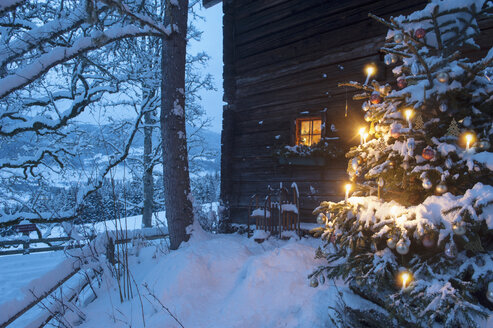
pixel 415 238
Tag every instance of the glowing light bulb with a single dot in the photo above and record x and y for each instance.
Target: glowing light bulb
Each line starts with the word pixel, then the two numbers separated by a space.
pixel 406 278
pixel 370 70
pixel 361 134
pixel 365 136
pixel 469 138
pixel 408 113
pixel 348 187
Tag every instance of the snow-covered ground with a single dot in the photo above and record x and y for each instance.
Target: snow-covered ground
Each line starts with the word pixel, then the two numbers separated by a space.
pixel 221 281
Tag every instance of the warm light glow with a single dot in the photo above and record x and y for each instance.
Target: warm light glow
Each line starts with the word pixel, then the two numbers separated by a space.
pixel 348 187
pixel 405 277
pixel 370 69
pixel 393 210
pixel 362 131
pixel 408 113
pixel 365 136
pixel 469 139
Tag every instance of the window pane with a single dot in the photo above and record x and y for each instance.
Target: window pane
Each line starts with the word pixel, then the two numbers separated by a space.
pixel 305 127
pixel 315 138
pixel 317 126
pixel 304 140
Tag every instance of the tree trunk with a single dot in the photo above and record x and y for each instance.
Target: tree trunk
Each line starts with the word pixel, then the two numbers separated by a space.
pixel 148 167
pixel 179 213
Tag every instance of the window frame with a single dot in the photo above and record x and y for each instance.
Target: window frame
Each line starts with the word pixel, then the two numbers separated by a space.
pixel 298 123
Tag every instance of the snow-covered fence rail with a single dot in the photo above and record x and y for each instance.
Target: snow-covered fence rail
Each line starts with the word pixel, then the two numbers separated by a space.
pixel 42 287
pixel 26 242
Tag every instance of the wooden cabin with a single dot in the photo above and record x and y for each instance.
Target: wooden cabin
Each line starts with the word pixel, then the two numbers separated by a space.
pixel 283 60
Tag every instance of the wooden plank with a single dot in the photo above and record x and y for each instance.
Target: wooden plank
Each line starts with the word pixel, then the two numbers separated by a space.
pixel 354 30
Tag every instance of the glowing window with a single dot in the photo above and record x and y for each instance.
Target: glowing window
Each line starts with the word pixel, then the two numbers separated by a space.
pixel 308 130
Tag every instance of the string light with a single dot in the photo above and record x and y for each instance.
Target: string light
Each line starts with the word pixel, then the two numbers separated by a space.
pixel 405 278
pixel 469 138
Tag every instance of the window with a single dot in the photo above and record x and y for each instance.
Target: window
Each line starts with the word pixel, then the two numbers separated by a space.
pixel 308 130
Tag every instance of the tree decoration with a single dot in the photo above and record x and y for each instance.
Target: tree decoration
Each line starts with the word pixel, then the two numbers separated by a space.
pixel 402 247
pixel 375 98
pixel 451 250
pixel 427 183
pixel 459 228
pixel 420 33
pixel 453 129
pixel 421 238
pixel 314 283
pixel 418 123
pixel 398 38
pixel 428 240
pixel 391 242
pixel 484 145
pixel 366 106
pixel 401 83
pixel 441 188
pixel 442 77
pixel 428 153
pixel 321 218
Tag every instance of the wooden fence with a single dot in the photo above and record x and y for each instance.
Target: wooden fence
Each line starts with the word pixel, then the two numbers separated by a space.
pixel 11 311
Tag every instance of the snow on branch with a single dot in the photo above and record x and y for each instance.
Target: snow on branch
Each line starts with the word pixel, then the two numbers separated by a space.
pixel 58 55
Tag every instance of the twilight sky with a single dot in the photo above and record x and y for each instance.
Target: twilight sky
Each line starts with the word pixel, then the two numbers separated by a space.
pixel 212 44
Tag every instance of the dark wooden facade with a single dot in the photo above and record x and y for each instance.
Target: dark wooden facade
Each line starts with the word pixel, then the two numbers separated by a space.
pixel 283 58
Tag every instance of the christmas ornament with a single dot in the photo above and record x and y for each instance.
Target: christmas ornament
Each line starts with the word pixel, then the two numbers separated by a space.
pixel 395 132
pixel 375 98
pixel 390 59
pixel 459 228
pixel 391 242
pixel 428 240
pixel 484 145
pixel 453 129
pixel 489 292
pixel 441 188
pixel 398 38
pixel 381 182
pixel 402 247
pixel 365 106
pixel 428 153
pixel 359 159
pixel 401 83
pixel 355 163
pixel 443 107
pixel 368 116
pixel 427 183
pixel 420 33
pixel 442 77
pixel 321 218
pixel 451 250
pixel 314 283
pixel 418 123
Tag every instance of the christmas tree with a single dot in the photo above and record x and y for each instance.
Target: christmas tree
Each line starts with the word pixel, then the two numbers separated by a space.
pixel 415 238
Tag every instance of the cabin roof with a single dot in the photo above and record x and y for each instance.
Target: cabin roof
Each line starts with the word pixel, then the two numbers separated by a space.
pixel 210 3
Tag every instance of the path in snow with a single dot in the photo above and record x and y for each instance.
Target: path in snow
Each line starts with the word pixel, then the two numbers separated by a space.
pixel 222 281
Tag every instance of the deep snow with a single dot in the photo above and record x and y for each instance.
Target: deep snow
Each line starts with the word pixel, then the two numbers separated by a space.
pixel 221 281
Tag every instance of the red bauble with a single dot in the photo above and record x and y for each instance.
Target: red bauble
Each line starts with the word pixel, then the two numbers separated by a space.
pixel 420 33
pixel 395 132
pixel 401 83
pixel 375 98
pixel 428 241
pixel 428 153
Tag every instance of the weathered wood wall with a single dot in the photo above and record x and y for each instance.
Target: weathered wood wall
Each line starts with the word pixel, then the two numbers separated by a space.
pixel 284 57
